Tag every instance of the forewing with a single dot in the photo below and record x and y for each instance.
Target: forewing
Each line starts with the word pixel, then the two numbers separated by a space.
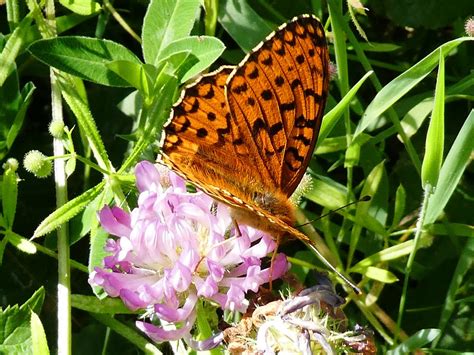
pixel 277 96
pixel 202 144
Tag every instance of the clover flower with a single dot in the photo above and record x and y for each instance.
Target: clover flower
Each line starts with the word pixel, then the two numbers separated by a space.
pixel 307 323
pixel 176 248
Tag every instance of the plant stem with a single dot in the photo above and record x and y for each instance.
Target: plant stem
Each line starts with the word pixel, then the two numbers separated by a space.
pixel 64 272
pixel 13 14
pixel 411 257
pixel 108 5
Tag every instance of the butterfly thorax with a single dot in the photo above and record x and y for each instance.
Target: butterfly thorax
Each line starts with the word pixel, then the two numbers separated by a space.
pixel 264 211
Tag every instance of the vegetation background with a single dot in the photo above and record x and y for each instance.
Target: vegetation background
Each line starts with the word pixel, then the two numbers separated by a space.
pixel 386 141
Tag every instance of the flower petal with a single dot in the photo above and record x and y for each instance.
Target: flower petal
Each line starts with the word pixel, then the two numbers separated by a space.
pixel 147 176
pixel 115 221
pixel 171 314
pixel 159 334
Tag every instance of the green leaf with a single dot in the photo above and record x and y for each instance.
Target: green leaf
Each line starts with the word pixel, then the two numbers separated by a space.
pixel 399 209
pixel 87 221
pixel 9 196
pixel 166 86
pixel 35 302
pixel 73 92
pixel 15 329
pixel 3 244
pixel 206 49
pixel 15 44
pixel 69 21
pixel 434 145
pixel 392 253
pixel 166 21
pixel 242 23
pixel 67 211
pixel 81 7
pixel 38 336
pixel 416 341
pixel 463 266
pixel 135 74
pixel 331 145
pixel 457 229
pixel 97 254
pixel 332 117
pixel 326 192
pixel 370 188
pixel 434 14
pixel 378 274
pixel 379 47
pixel 70 166
pixel 402 84
pixel 21 243
pixel 26 97
pixel 179 63
pixel 84 57
pixel 107 305
pixel 419 106
pixel 453 167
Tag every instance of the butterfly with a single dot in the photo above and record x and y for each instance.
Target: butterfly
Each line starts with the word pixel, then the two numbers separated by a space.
pixel 246 134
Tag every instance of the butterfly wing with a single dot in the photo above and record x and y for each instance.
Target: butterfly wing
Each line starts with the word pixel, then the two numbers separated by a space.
pixel 253 128
pixel 277 96
pixel 202 144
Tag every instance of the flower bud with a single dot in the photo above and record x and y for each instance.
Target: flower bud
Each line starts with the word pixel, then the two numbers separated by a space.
pixel 469 27
pixel 11 163
pixel 56 129
pixel 36 163
pixel 305 185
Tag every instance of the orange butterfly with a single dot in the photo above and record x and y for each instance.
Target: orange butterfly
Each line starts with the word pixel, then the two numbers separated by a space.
pixel 245 134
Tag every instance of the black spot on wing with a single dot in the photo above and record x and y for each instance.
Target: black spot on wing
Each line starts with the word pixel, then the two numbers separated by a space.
pixel 195 107
pixel 201 132
pixel 287 106
pixel 300 59
pixel 267 61
pixel 300 137
pixel 266 95
pixel 258 125
pixel 310 92
pixel 222 132
pixel 275 128
pixel 253 74
pixel 240 88
pixel 295 83
pixel 279 81
pixel 211 116
pixel 292 151
pixel 209 94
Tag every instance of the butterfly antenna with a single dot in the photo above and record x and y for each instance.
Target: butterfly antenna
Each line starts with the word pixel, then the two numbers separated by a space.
pixel 348 282
pixel 362 199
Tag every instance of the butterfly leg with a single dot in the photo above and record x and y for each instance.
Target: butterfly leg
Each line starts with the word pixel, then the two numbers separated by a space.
pixel 275 252
pixel 236 226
